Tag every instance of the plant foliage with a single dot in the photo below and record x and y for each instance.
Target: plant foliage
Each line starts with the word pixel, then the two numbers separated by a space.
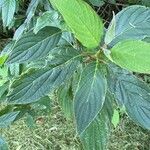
pixel 67 50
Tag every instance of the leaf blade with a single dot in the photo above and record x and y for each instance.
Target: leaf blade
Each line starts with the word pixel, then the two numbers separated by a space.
pixel 132 22
pixel 3 144
pixel 89 96
pixel 132 55
pixel 96 136
pixel 38 83
pixel 7 119
pixel 34 46
pixel 65 99
pixel 82 19
pixel 8 11
pixel 131 93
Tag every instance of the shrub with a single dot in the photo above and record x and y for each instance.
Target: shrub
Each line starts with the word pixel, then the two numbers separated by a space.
pixel 62 46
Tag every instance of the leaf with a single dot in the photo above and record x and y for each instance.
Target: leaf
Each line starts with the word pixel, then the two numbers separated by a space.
pixel 66 39
pixel 145 2
pixel 3 59
pixel 132 22
pixel 31 9
pixel 18 33
pixel 48 18
pixel 110 33
pixel 29 13
pixel 44 104
pixel 62 54
pixel 31 47
pixel 76 78
pixel 115 118
pixel 7 49
pixel 3 89
pixel 7 119
pixel 3 81
pixel 8 10
pixel 90 95
pixel 37 83
pixel 132 55
pixel 132 93
pixel 97 3
pixel 2 3
pixel 30 122
pixel 82 20
pixel 3 144
pixel 96 136
pixel 7 109
pixel 4 72
pixel 37 64
pixel 65 99
pixel 14 69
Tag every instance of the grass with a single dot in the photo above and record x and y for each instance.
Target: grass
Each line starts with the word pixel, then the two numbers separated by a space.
pixel 54 132
pixel 129 136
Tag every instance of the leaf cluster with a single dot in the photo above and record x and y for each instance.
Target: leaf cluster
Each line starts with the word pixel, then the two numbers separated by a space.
pixel 62 47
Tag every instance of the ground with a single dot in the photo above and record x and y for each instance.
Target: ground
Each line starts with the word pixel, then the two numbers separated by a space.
pixel 54 132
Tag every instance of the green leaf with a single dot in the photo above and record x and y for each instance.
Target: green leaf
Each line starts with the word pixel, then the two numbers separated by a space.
pixel 132 22
pixel 18 33
pixel 115 118
pixel 7 109
pixel 48 18
pixel 67 38
pixel 3 144
pixel 31 9
pixel 97 3
pixel 145 2
pixel 76 78
pixel 90 95
pixel 96 136
pixel 30 122
pixel 83 21
pixel 8 10
pixel 7 49
pixel 37 64
pixel 3 89
pixel 37 83
pixel 132 55
pixel 62 54
pixel 7 119
pixel 44 104
pixel 110 33
pixel 3 59
pixel 65 99
pixel 132 93
pixel 3 71
pixel 27 23
pixel 31 47
pixel 14 69
pixel 2 3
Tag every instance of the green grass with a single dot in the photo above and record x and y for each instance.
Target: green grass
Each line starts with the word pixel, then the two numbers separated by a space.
pixel 129 136
pixel 54 132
